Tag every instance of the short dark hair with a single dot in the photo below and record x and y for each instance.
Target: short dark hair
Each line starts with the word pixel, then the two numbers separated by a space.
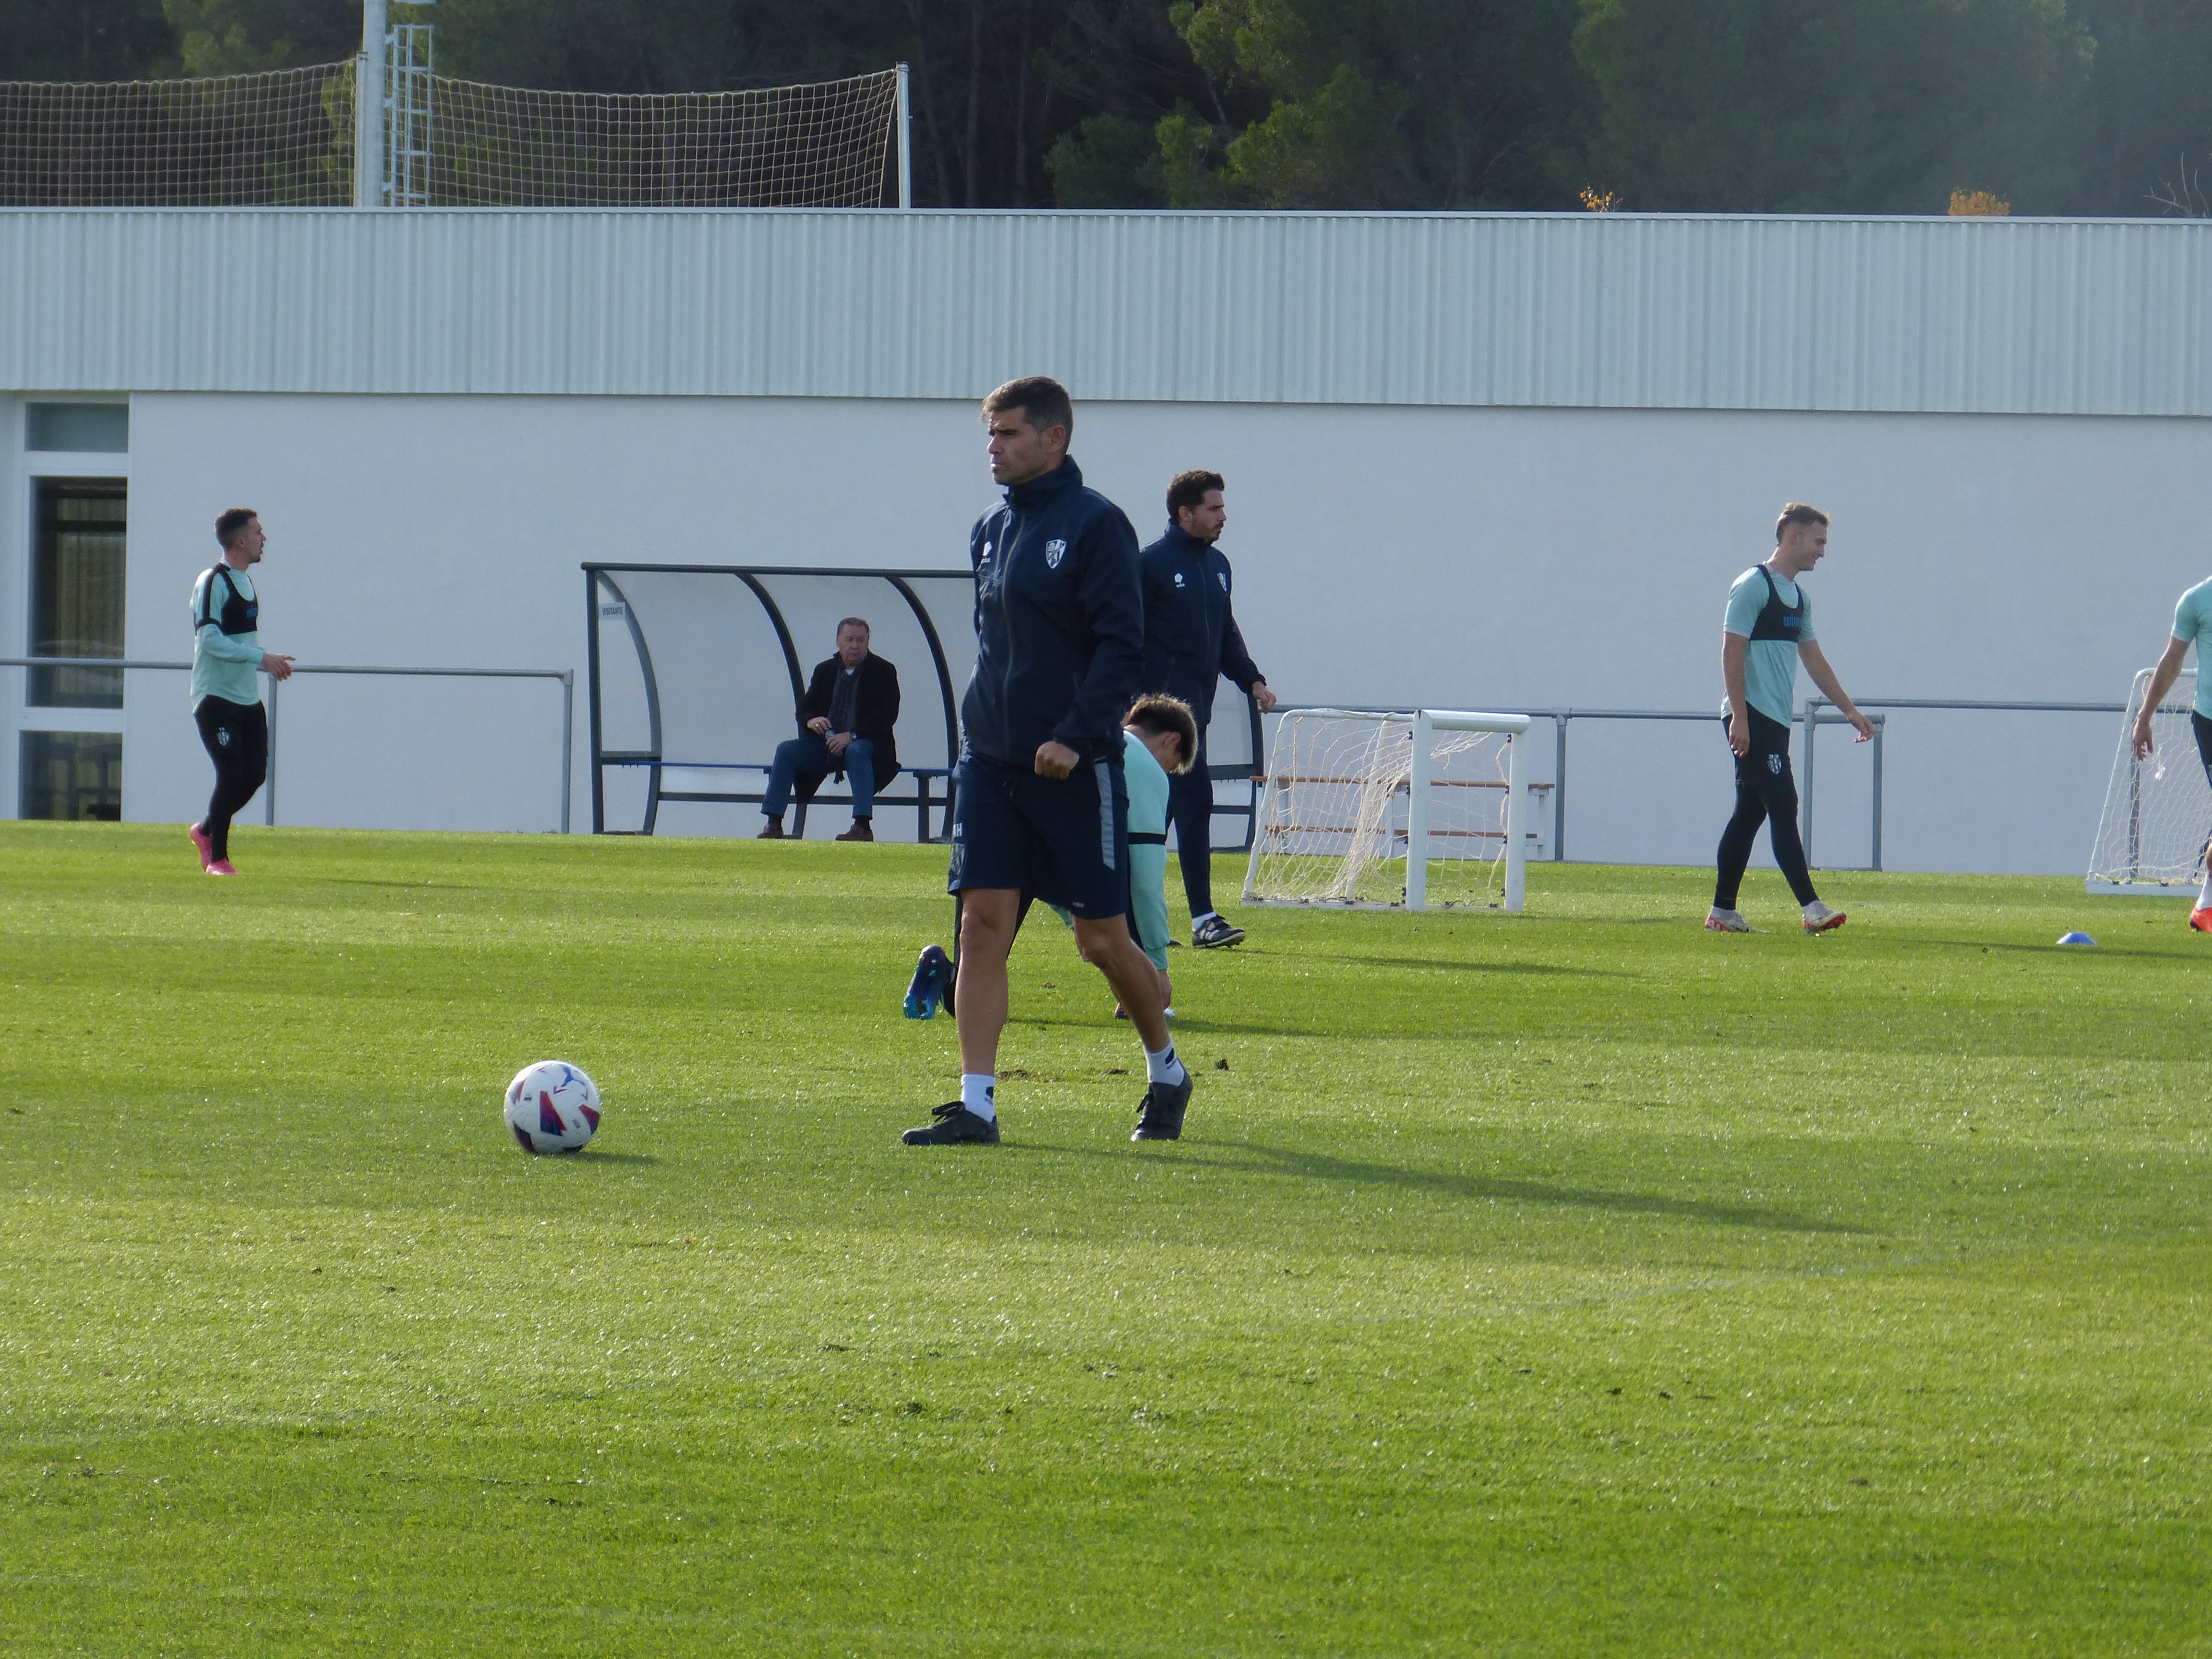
pixel 1189 489
pixel 1796 513
pixel 1157 712
pixel 230 521
pixel 1043 400
pixel 860 623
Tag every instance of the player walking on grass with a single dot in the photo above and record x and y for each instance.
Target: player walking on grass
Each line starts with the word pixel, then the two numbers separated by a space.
pixel 226 697
pixel 1042 804
pixel 1191 641
pixel 1767 631
pixel 2192 625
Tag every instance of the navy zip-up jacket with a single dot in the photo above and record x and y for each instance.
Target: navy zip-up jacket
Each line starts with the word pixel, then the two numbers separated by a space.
pixel 1191 638
pixel 1059 623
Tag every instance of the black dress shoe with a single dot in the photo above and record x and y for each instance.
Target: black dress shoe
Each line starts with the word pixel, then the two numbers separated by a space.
pixel 861 831
pixel 772 830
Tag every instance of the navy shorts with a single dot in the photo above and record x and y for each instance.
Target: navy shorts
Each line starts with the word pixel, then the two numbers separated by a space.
pixel 1066 839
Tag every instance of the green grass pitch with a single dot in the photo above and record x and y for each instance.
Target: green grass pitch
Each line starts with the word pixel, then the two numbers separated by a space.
pixel 1574 1283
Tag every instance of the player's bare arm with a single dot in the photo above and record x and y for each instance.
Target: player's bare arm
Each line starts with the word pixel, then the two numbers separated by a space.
pixel 2161 682
pixel 1732 649
pixel 1817 669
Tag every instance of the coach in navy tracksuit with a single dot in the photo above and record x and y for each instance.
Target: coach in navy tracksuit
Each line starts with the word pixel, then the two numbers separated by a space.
pixel 1191 641
pixel 1042 806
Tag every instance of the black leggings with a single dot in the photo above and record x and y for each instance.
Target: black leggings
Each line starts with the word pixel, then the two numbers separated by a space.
pixel 237 738
pixel 1764 792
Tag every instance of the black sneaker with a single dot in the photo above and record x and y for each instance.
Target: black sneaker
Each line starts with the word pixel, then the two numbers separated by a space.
pixel 1213 934
pixel 955 1125
pixel 1160 1114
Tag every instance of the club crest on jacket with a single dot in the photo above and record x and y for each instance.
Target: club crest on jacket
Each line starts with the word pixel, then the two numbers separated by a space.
pixel 1055 552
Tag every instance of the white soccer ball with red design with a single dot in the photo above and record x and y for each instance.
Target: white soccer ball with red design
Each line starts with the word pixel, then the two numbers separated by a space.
pixel 552 1107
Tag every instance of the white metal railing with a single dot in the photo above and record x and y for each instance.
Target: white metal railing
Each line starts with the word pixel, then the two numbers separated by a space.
pixel 566 676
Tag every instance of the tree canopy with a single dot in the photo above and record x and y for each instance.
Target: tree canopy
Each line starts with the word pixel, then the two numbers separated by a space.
pixel 2095 107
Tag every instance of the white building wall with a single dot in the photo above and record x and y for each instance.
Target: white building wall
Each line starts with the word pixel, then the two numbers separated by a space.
pixel 1500 558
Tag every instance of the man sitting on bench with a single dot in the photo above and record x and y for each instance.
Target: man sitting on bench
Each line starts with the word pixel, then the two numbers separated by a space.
pixel 845 726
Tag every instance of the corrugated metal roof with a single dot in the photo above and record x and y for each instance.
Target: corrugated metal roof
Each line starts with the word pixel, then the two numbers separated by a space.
pixel 1615 311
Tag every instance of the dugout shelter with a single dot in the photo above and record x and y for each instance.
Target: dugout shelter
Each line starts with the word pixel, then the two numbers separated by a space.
pixel 694 673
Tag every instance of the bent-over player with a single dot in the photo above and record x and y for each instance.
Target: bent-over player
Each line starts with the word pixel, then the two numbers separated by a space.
pixel 226 697
pixel 1043 803
pixel 1159 742
pixel 2192 625
pixel 1767 631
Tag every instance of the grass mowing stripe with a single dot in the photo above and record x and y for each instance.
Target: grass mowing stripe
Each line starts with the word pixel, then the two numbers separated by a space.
pixel 1572 1282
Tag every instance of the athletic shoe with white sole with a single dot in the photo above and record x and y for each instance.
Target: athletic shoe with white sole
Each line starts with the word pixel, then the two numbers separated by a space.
pixel 1718 921
pixel 2199 919
pixel 219 867
pixel 1213 934
pixel 953 1125
pixel 1160 1113
pixel 1819 919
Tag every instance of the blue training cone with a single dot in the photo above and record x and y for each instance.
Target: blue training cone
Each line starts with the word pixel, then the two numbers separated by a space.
pixel 2075 938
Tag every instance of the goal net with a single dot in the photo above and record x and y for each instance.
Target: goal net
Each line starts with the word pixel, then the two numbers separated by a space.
pixel 1382 810
pixel 831 144
pixel 2158 810
pixel 286 139
pixel 279 139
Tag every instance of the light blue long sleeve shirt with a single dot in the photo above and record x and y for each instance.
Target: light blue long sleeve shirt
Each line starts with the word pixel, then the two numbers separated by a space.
pixel 225 666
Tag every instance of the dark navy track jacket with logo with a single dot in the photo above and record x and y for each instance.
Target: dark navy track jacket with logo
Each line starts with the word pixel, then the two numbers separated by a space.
pixel 1059 623
pixel 1191 638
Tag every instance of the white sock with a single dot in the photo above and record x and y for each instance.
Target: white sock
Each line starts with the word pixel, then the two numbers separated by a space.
pixel 977 1090
pixel 2204 893
pixel 1208 916
pixel 1164 1067
pixel 1814 909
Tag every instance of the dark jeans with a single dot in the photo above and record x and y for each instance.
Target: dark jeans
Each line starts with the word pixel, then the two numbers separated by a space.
pixel 1765 792
pixel 237 738
pixel 811 754
pixel 1190 810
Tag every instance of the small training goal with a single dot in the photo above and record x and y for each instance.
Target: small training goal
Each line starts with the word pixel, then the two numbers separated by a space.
pixel 1369 811
pixel 2158 810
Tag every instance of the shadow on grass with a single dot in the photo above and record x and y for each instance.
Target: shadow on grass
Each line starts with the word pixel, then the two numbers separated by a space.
pixel 587 1156
pixel 1318 1166
pixel 1477 967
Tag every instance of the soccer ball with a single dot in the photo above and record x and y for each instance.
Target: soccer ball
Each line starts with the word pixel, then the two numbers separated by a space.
pixel 552 1107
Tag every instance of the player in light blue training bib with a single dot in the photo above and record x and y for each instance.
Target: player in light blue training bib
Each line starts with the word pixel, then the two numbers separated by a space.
pixel 2192 626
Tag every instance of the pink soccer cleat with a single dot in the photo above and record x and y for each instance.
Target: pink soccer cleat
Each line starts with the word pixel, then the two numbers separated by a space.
pixel 220 868
pixel 202 845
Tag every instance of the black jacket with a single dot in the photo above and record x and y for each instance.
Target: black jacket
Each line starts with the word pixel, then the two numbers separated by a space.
pixel 875 707
pixel 1059 623
pixel 1191 638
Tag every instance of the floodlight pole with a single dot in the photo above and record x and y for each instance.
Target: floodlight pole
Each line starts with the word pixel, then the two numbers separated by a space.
pixel 905 138
pixel 368 108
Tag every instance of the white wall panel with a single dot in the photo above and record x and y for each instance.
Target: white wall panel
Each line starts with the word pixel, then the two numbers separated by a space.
pixel 1606 311
pixel 1456 556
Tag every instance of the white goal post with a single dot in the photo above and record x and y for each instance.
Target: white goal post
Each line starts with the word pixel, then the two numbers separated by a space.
pixel 1367 810
pixel 2158 810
